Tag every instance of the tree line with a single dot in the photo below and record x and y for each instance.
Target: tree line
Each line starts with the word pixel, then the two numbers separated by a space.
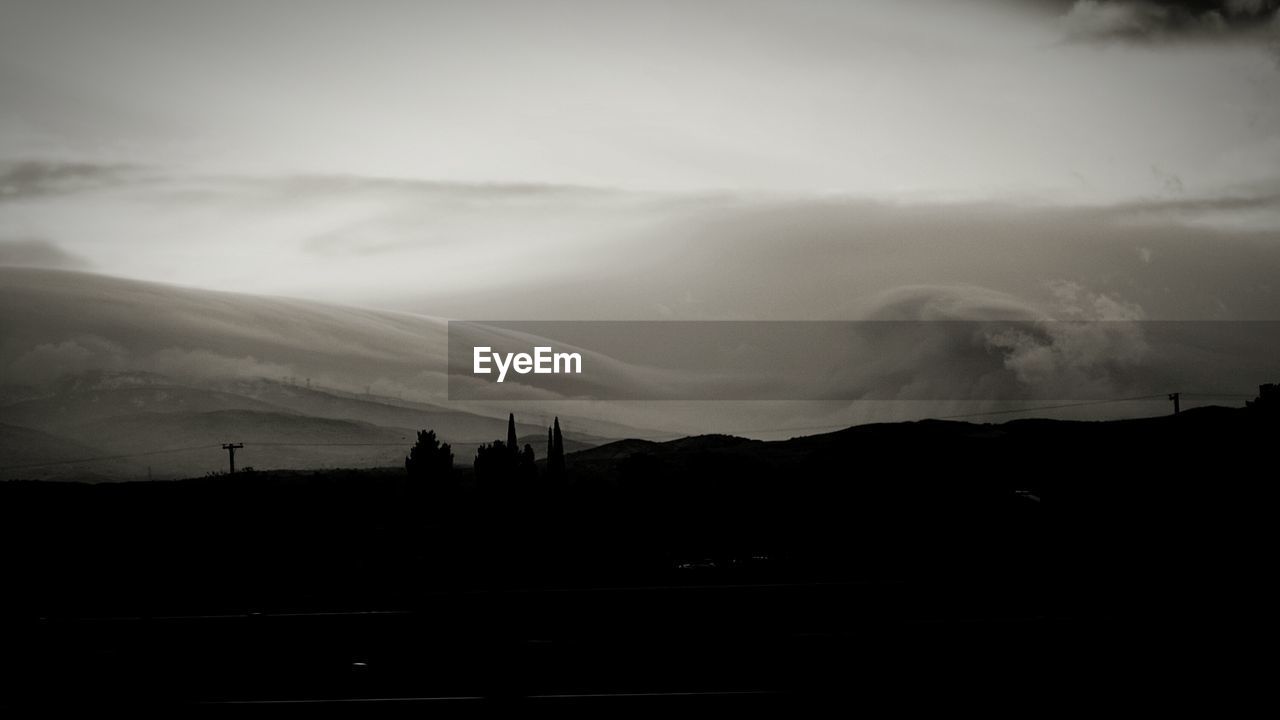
pixel 496 464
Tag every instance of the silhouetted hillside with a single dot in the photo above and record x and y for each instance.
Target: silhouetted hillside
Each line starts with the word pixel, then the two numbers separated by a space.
pixel 941 443
pixel 882 501
pixel 1028 544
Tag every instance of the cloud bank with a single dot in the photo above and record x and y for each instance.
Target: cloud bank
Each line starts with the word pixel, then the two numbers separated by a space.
pixel 1144 20
pixel 38 252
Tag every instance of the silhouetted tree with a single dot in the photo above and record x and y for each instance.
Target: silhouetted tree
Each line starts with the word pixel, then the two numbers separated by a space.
pixel 429 458
pixel 1268 400
pixel 555 455
pixel 495 464
pixel 500 464
pixel 527 468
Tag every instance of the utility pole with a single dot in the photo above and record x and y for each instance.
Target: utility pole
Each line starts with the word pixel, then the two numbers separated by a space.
pixel 1176 405
pixel 231 453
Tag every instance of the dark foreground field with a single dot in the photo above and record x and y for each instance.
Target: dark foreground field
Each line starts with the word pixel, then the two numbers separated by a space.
pixel 931 562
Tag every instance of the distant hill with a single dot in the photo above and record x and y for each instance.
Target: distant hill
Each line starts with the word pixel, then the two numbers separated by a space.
pixel 539 443
pixel 93 406
pixel 34 454
pixel 1042 444
pixel 452 425
pixel 272 440
pixel 58 412
pixel 598 431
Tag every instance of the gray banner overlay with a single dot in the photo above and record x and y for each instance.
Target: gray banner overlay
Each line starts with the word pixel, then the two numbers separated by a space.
pixel 909 360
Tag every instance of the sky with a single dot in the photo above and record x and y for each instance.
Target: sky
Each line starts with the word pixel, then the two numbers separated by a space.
pixel 607 159
pixel 923 99
pixel 704 159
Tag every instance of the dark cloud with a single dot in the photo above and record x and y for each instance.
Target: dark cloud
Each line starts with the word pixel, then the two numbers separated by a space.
pixel 37 252
pixel 319 183
pixel 33 178
pixel 1152 20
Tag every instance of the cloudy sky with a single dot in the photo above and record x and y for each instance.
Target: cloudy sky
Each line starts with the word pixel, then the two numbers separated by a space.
pixel 601 159
pixel 703 158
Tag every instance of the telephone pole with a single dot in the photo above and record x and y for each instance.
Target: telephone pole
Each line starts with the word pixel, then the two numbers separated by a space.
pixel 1175 397
pixel 231 454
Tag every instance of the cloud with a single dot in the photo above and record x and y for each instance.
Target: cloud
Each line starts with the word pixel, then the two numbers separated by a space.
pixel 1089 350
pixel 1147 20
pixel 933 303
pixel 1075 302
pixel 923 343
pixel 34 178
pixel 976 343
pixel 87 353
pixel 62 323
pixel 1006 350
pixel 199 363
pixel 37 252
pixel 51 361
pixel 1095 20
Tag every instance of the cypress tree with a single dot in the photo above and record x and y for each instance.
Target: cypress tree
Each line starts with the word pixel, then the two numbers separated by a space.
pixel 555 459
pixel 511 434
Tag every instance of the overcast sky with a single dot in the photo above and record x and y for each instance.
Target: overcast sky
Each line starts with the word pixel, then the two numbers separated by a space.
pixel 691 159
pixel 876 97
pixel 687 159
